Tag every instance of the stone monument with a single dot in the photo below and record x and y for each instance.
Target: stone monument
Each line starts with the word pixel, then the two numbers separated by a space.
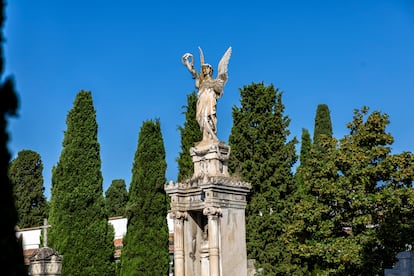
pixel 45 261
pixel 209 208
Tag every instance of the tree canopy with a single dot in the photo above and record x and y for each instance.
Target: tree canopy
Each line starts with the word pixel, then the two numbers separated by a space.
pixel 145 250
pixel 116 198
pixel 80 229
pixel 190 134
pixel 26 175
pixel 323 124
pixel 262 155
pixel 358 191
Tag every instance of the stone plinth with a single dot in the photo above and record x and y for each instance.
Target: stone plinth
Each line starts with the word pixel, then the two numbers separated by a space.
pixel 45 261
pixel 209 219
pixel 210 159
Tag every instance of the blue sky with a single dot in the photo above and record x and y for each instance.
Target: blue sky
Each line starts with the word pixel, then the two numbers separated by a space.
pixel 344 53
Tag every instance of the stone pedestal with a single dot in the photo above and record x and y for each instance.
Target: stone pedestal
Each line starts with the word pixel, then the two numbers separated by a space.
pixel 209 217
pixel 45 262
pixel 210 159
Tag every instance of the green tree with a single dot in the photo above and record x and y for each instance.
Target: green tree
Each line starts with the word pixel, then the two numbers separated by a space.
pixel 190 134
pixel 356 190
pixel 116 198
pixel 262 156
pixel 80 229
pixel 145 250
pixel 11 257
pixel 305 147
pixel 323 124
pixel 305 151
pixel 26 175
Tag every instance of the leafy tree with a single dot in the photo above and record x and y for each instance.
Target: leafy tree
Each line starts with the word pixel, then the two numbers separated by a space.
pixel 11 258
pixel 26 175
pixel 116 198
pixel 190 134
pixel 145 250
pixel 262 156
pixel 323 125
pixel 356 190
pixel 80 225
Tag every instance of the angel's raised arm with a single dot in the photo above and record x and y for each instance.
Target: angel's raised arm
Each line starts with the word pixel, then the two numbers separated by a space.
pixel 188 61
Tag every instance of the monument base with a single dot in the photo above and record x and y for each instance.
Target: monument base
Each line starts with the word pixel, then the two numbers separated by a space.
pixel 210 158
pixel 45 261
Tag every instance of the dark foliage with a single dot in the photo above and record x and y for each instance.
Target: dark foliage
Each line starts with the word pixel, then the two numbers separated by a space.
pixel 145 250
pixel 116 198
pixel 26 175
pixel 11 258
pixel 262 156
pixel 190 134
pixel 80 229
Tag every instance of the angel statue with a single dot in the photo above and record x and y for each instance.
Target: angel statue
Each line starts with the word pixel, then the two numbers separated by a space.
pixel 209 90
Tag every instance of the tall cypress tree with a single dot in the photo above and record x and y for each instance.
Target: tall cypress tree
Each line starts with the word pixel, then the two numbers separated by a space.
pixel 305 147
pixel 190 134
pixel 305 152
pixel 145 250
pixel 262 156
pixel 116 198
pixel 80 229
pixel 26 174
pixel 11 257
pixel 323 124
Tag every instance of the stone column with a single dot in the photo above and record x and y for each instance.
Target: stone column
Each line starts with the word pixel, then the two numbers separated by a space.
pixel 213 214
pixel 204 248
pixel 179 218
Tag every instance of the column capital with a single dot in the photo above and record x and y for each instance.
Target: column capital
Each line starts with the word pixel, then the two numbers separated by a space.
pixel 178 215
pixel 212 211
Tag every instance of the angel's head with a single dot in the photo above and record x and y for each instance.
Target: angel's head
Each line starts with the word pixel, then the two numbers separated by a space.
pixel 206 70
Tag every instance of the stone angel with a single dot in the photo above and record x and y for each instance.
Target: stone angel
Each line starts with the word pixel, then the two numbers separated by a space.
pixel 209 90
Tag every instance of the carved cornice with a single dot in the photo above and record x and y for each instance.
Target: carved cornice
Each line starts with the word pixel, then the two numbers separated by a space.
pixel 205 179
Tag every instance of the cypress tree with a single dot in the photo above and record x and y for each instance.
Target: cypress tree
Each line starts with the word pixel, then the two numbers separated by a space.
pixel 11 258
pixel 145 250
pixel 26 175
pixel 323 125
pixel 305 147
pixel 190 134
pixel 305 151
pixel 116 198
pixel 80 229
pixel 262 156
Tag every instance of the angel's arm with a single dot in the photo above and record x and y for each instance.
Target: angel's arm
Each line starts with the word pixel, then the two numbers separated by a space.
pixel 188 61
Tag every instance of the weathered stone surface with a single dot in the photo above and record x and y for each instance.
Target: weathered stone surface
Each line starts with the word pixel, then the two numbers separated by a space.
pixel 209 231
pixel 209 90
pixel 209 208
pixel 210 159
pixel 404 266
pixel 45 261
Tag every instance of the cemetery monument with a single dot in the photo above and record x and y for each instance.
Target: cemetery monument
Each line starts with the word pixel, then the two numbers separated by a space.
pixel 209 208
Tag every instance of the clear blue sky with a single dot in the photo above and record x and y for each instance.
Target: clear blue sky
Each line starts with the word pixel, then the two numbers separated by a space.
pixel 345 53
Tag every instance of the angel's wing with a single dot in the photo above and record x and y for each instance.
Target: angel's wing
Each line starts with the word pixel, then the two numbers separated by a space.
pixel 223 65
pixel 201 56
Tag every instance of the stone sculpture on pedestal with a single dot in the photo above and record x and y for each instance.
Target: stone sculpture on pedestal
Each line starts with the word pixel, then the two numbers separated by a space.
pixel 209 208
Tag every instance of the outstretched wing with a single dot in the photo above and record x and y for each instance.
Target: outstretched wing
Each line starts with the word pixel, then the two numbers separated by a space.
pixel 223 65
